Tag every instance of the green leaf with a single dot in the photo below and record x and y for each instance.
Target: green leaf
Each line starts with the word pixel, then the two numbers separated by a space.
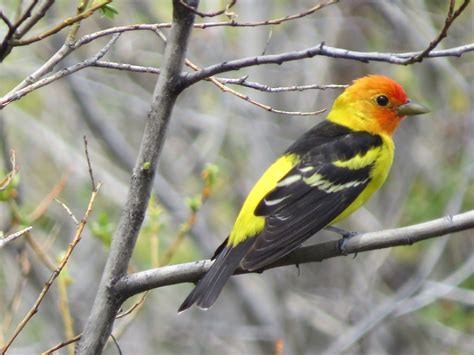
pixel 194 203
pixel 108 11
pixel 102 229
pixel 211 173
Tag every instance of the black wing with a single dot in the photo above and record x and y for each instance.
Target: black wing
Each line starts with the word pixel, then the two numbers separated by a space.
pixel 310 196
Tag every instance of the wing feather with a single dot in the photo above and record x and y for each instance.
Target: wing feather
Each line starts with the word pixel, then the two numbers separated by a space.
pixel 309 197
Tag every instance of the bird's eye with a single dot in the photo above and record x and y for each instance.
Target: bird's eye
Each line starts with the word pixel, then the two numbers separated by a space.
pixel 382 100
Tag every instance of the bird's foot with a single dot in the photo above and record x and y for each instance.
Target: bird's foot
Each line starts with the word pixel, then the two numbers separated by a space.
pixel 346 235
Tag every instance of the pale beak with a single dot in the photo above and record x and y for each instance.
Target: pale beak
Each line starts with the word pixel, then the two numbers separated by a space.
pixel 411 108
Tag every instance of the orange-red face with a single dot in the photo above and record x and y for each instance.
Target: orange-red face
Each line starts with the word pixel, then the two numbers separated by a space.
pixel 377 104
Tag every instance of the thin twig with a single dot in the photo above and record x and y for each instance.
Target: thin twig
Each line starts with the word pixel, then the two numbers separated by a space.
pixel 55 274
pixel 233 81
pixel 226 89
pixel 66 23
pixel 14 304
pixel 135 306
pixel 71 36
pixel 266 88
pixel 9 238
pixel 39 251
pixel 247 98
pixel 125 66
pixel 65 309
pixel 66 71
pixel 33 20
pixel 208 14
pixel 25 16
pixel 450 18
pixel 5 46
pixel 42 207
pixel 68 210
pixel 91 174
pixel 233 23
pixel 5 182
pixel 6 20
pixel 62 345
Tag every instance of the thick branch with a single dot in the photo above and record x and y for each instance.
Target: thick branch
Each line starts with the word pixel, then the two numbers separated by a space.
pixel 191 272
pixel 107 302
pixel 320 50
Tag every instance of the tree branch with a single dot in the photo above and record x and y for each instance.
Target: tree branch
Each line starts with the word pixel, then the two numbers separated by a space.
pixel 18 94
pixel 11 237
pixel 450 18
pixel 192 272
pixel 209 14
pixel 319 50
pixel 107 303
pixel 66 23
pixel 266 88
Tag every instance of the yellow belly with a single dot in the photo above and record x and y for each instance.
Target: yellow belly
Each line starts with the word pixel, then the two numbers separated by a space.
pixel 248 224
pixel 382 164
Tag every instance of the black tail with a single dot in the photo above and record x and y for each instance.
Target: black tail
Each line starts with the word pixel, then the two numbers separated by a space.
pixel 210 286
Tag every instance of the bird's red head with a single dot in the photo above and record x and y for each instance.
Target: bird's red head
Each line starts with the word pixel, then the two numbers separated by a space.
pixel 375 104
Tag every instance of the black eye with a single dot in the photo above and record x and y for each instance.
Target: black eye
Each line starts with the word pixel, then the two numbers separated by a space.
pixel 382 100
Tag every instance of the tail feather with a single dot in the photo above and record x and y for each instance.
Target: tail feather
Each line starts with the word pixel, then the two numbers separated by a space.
pixel 211 284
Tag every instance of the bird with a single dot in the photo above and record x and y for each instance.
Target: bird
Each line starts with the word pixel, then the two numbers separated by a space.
pixel 324 176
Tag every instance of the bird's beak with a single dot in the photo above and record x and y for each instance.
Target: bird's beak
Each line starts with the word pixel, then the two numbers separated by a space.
pixel 411 108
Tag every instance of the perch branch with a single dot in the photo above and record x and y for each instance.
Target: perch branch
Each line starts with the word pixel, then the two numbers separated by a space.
pixel 191 272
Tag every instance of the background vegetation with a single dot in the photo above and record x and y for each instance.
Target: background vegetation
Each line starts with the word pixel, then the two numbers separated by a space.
pixel 406 300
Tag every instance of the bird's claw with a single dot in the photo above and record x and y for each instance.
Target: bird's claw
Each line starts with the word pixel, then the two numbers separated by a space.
pixel 343 241
pixel 346 235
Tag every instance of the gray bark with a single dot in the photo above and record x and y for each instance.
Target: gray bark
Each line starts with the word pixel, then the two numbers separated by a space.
pixel 107 302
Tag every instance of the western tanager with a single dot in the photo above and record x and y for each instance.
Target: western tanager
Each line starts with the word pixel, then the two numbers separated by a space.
pixel 324 176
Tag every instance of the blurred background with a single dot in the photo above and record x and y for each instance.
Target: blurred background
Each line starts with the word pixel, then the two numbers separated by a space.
pixel 407 300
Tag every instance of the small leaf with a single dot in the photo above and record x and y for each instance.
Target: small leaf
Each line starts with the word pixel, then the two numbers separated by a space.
pixel 108 11
pixel 102 229
pixel 210 174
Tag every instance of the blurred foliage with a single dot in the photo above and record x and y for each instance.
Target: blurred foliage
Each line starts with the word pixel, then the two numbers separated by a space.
pixel 109 11
pixel 9 192
pixel 432 174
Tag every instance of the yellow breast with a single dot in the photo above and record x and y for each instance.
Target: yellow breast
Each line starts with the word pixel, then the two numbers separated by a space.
pixel 382 158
